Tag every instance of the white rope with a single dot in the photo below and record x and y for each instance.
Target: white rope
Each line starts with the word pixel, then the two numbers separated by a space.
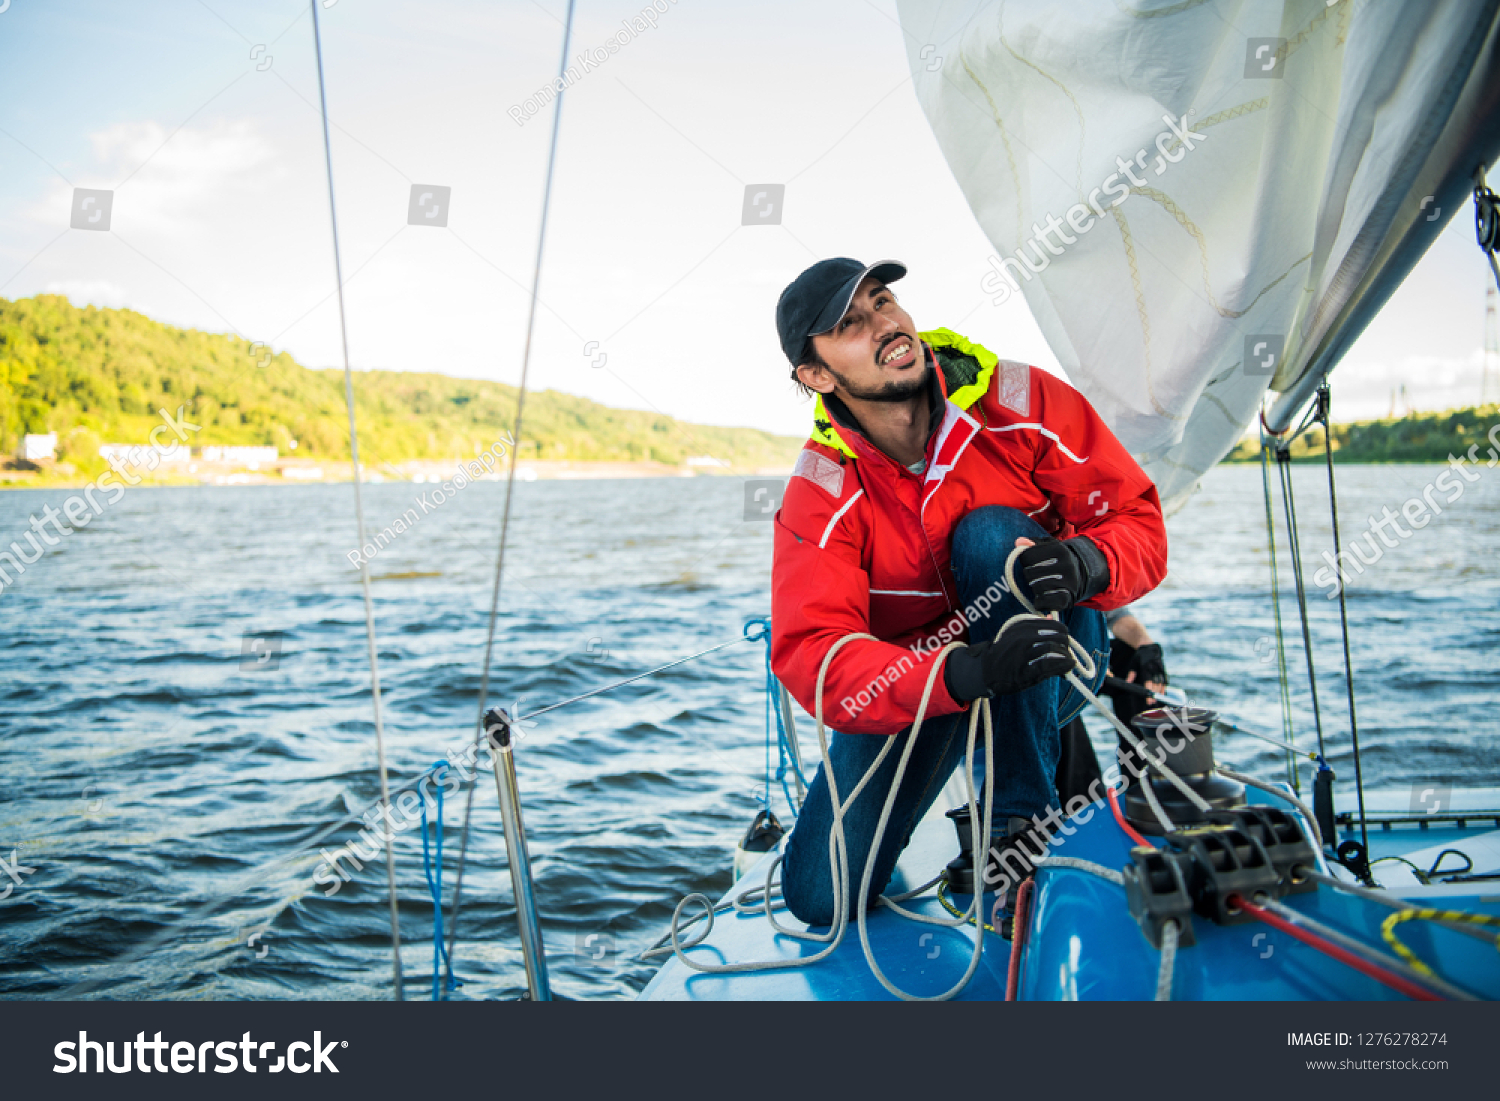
pixel 1312 819
pixel 838 854
pixel 838 851
pixel 1168 962
pixel 1085 663
pixel 1089 866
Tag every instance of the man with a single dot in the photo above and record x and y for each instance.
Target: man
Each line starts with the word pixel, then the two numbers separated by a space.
pixel 929 462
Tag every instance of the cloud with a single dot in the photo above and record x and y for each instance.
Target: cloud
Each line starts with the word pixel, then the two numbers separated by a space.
pixel 1433 383
pixel 193 173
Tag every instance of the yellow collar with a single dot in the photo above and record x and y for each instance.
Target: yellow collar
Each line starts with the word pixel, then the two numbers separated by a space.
pixel 826 432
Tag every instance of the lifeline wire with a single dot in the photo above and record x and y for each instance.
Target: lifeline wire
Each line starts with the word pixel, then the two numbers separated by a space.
pixel 632 680
pixel 510 480
pixel 359 515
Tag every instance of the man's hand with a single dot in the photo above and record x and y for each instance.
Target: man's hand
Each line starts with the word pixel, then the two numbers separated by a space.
pixel 1026 654
pixel 1061 573
pixel 1148 667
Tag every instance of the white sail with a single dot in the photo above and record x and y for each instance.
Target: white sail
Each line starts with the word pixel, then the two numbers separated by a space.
pixel 1203 199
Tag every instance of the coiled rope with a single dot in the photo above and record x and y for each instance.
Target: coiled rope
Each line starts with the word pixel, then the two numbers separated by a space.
pixel 838 853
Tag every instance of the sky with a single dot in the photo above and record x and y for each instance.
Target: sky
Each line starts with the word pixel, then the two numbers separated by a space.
pixel 201 116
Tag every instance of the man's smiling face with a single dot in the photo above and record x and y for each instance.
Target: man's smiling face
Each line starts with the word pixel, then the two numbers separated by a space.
pixel 872 354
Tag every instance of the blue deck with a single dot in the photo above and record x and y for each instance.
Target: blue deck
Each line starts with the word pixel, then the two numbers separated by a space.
pixel 1085 945
pixel 921 959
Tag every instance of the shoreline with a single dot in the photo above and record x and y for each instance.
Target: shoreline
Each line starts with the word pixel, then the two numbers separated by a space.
pixel 214 476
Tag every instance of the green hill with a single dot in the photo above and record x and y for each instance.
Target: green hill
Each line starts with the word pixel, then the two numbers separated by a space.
pixel 99 375
pixel 1415 438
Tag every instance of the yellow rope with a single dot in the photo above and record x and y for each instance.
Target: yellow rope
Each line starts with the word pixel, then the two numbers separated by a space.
pixel 942 896
pixel 1388 930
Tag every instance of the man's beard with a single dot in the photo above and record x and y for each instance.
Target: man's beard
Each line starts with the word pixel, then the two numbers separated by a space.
pixel 891 392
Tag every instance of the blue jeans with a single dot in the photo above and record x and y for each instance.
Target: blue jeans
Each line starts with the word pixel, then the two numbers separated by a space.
pixel 1027 742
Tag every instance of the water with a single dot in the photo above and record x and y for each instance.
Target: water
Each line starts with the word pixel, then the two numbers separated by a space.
pixel 160 744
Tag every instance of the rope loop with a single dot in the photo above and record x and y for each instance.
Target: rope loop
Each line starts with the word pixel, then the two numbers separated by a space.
pixel 980 819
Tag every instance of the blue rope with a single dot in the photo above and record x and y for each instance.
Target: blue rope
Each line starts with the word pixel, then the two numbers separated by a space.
pixel 433 870
pixel 785 758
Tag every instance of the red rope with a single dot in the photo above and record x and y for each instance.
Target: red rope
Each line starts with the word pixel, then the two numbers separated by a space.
pixel 1018 937
pixel 1114 805
pixel 1328 948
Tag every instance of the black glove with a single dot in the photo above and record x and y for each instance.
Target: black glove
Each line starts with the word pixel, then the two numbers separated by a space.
pixel 1024 656
pixel 1061 573
pixel 1147 665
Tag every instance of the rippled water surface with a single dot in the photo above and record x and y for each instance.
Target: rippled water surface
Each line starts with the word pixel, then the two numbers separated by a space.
pixel 184 693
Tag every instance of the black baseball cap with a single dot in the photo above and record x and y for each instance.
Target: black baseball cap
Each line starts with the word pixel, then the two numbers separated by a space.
pixel 814 302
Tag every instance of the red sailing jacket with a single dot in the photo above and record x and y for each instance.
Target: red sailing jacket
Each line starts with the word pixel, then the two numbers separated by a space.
pixel 862 543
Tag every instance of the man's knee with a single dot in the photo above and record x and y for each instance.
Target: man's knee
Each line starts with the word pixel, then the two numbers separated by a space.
pixel 809 906
pixel 985 527
pixel 807 891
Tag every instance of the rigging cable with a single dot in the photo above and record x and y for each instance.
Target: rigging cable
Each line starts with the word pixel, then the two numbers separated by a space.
pixel 1324 403
pixel 1283 681
pixel 1294 541
pixel 510 480
pixel 359 515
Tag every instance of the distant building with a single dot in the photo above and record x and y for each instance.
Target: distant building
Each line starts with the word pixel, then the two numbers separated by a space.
pixel 239 456
pixel 301 473
pixel 703 460
pixel 36 448
pixel 145 455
